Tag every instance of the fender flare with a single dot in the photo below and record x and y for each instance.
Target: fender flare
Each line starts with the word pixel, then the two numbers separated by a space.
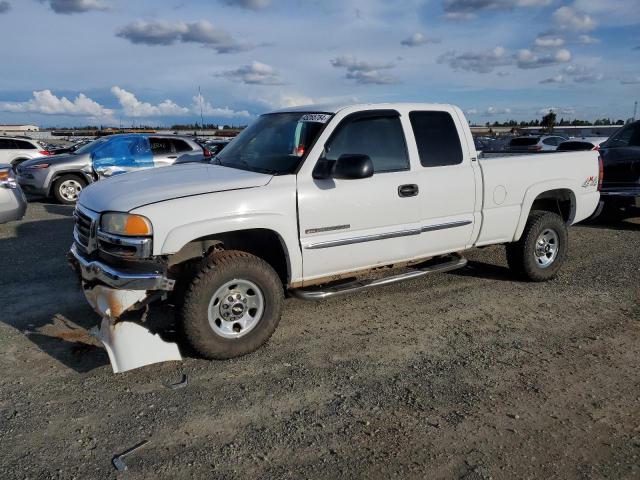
pixel 56 175
pixel 534 192
pixel 179 237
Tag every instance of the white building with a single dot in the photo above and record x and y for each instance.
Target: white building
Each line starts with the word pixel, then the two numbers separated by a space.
pixel 18 129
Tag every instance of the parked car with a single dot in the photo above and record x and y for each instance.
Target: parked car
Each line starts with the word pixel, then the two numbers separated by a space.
pixel 13 204
pixel 621 172
pixel 15 150
pixel 533 143
pixel 581 143
pixel 69 149
pixel 64 176
pixel 303 199
pixel 215 146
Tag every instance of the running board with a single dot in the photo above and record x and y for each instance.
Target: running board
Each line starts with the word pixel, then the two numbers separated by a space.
pixel 447 264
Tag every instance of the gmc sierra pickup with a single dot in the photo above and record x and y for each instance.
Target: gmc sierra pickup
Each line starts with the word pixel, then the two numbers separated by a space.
pixel 313 202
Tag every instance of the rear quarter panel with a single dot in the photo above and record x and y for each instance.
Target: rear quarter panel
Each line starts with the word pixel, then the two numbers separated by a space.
pixel 512 183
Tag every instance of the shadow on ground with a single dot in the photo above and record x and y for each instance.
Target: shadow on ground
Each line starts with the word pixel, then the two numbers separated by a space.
pixel 47 304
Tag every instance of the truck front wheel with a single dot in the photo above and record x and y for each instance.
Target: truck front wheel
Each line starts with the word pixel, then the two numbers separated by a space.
pixel 539 253
pixel 233 305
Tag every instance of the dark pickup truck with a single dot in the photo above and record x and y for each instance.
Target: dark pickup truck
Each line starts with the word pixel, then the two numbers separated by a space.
pixel 620 191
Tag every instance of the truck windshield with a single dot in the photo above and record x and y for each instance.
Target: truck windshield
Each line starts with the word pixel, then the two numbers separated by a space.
pixel 275 143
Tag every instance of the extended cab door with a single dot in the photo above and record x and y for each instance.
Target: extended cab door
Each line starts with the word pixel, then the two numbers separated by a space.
pixel 349 225
pixel 449 181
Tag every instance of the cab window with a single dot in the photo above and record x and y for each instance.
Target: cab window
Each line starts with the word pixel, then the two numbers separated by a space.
pixel 437 138
pixel 379 137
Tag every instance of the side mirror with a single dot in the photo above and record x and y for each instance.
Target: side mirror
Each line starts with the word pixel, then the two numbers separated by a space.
pixel 349 166
pixel 352 167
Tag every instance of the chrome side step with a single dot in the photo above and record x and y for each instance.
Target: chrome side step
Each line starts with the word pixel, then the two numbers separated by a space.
pixel 448 263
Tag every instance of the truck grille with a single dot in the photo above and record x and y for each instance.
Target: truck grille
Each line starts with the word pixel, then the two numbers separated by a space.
pixel 84 231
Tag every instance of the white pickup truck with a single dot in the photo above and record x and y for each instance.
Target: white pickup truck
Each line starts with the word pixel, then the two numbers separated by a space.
pixel 313 202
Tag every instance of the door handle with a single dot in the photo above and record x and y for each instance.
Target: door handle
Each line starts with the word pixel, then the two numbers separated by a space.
pixel 409 190
pixel 173 156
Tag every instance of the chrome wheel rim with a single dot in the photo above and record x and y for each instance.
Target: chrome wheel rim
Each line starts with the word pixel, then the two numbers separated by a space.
pixel 236 308
pixel 70 189
pixel 546 249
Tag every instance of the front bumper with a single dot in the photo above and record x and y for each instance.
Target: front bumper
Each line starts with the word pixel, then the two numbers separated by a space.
pixel 13 204
pixel 94 270
pixel 35 182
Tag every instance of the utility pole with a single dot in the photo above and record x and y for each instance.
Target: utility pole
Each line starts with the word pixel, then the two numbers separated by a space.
pixel 635 110
pixel 201 116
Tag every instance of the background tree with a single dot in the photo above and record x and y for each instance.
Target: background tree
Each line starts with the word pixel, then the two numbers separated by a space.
pixel 549 121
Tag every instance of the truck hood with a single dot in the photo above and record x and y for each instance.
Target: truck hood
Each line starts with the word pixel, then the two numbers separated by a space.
pixel 125 192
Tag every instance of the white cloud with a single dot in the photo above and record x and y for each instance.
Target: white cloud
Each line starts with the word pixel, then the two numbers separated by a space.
pixel 45 102
pixel 571 19
pixel 254 74
pixel 557 110
pixel 76 6
pixel 479 62
pixel 132 107
pixel 487 61
pixel 209 110
pixel 630 80
pixel 549 42
pixel 248 4
pixel 418 39
pixel 497 111
pixel 588 40
pixel 583 74
pixel 201 32
pixel 472 112
pixel 365 72
pixel 469 9
pixel 527 59
pixel 554 79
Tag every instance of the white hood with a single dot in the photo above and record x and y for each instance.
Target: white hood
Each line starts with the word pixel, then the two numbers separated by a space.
pixel 132 190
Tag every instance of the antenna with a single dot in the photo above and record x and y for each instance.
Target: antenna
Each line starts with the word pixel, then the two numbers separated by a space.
pixel 201 116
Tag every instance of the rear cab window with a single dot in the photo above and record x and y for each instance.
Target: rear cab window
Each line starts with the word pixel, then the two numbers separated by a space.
pixel 437 138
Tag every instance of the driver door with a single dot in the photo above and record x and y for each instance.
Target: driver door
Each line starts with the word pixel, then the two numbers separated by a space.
pixel 349 225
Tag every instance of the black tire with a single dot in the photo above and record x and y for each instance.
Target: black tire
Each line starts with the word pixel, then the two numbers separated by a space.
pixel 220 269
pixel 521 255
pixel 58 185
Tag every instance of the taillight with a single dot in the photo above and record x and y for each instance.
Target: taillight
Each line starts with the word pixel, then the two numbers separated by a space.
pixel 600 172
pixel 207 153
pixel 44 152
pixel 596 148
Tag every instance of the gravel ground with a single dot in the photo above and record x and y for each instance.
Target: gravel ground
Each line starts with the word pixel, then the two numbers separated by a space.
pixel 470 375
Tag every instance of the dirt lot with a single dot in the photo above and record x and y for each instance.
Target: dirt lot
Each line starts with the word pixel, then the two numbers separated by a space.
pixel 470 374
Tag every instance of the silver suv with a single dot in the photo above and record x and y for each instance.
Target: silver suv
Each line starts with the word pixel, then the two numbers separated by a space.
pixel 535 143
pixel 64 176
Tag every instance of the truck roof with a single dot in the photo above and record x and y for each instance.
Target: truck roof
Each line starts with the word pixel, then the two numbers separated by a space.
pixel 336 107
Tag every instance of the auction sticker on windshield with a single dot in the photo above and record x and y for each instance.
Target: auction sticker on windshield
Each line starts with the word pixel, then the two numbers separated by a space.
pixel 315 117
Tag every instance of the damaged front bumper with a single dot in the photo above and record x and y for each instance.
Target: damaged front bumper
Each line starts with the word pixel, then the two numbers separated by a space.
pixel 111 293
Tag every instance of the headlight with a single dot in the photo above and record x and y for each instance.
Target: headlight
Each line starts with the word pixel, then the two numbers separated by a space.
pixel 38 166
pixel 6 178
pixel 126 224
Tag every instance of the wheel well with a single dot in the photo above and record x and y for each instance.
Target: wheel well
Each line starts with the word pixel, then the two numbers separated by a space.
pixel 263 243
pixel 561 201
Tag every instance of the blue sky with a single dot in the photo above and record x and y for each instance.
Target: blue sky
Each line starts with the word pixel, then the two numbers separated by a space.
pixel 69 62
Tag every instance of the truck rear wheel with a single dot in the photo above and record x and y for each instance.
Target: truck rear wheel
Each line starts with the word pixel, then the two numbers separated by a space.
pixel 541 250
pixel 233 305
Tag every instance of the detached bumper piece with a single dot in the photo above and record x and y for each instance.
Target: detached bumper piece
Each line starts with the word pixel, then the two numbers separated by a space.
pixel 129 344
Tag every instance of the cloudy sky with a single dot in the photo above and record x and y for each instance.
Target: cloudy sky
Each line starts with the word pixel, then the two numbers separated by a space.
pixel 69 62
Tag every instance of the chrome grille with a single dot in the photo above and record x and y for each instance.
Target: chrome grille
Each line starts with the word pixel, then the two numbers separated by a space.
pixel 84 231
